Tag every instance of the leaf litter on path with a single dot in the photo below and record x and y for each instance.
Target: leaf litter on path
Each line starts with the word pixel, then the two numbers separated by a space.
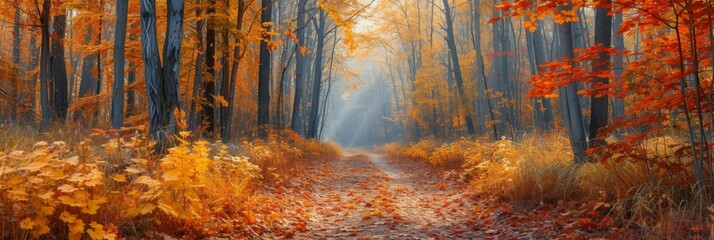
pixel 367 197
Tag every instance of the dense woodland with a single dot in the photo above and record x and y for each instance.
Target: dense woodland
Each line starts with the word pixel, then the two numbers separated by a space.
pixel 117 115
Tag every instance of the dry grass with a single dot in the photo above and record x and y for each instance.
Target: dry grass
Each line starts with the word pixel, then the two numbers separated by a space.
pixel 25 136
pixel 541 169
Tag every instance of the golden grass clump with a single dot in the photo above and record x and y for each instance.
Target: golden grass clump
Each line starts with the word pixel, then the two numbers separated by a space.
pixel 419 151
pixel 541 169
pixel 283 151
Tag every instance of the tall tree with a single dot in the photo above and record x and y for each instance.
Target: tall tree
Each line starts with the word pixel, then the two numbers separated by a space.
pixel 44 64
pixel 32 76
pixel 569 94
pixel 265 67
pixel 451 42
pixel 172 60
pixel 209 84
pixel 543 111
pixel 237 55
pixel 599 102
pixel 618 41
pixel 484 102
pixel 152 69
pixel 117 115
pixel 317 77
pixel 299 65
pixel 161 82
pixel 198 71
pixel 59 68
pixel 16 40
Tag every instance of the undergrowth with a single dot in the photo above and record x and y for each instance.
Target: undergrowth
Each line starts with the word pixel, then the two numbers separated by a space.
pixel 109 185
pixel 540 169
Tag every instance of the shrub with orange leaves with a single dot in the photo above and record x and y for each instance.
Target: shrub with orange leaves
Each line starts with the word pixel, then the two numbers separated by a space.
pixel 282 151
pixel 44 187
pixel 111 185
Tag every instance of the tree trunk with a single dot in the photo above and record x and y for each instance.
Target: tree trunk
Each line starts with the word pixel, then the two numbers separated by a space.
pixel 88 83
pixel 264 70
pixel 484 101
pixel 16 40
pixel 119 40
pixel 131 93
pixel 225 79
pixel 542 106
pixel 237 55
pixel 59 69
pixel 193 121
pixel 172 62
pixel 44 65
pixel 209 85
pixel 599 104
pixel 32 81
pixel 450 39
pixel 619 44
pixel 317 78
pixel 153 74
pixel 299 65
pixel 569 96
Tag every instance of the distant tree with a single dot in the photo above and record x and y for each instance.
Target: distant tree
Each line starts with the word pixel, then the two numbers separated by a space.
pixel 209 83
pixel 453 51
pixel 265 67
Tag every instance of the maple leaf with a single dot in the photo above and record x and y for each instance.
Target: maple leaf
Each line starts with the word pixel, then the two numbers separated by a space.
pixel 67 217
pixel 27 224
pixel 35 166
pixel 587 223
pixel 132 170
pixel 93 205
pixel 301 227
pixel 97 231
pixel 220 101
pixel 119 178
pixel 67 188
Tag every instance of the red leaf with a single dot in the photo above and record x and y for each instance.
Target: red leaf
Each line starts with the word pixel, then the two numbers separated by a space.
pixel 587 223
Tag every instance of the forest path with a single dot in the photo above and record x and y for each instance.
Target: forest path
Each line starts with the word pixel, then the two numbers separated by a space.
pixel 366 196
pixel 376 199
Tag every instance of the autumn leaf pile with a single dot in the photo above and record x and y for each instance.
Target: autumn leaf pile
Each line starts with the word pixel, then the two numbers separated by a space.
pixel 110 186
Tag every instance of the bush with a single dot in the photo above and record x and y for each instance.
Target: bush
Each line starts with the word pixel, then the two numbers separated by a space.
pixel 540 169
pixel 111 185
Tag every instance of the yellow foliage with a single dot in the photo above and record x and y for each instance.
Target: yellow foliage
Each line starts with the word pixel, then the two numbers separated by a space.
pixel 283 151
pixel 95 187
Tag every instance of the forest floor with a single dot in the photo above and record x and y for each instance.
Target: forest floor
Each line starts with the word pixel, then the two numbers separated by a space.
pixel 365 196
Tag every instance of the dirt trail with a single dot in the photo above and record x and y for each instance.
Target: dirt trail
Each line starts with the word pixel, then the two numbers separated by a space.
pixel 365 196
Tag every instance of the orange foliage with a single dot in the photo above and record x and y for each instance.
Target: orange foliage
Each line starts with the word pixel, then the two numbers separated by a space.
pixel 95 191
